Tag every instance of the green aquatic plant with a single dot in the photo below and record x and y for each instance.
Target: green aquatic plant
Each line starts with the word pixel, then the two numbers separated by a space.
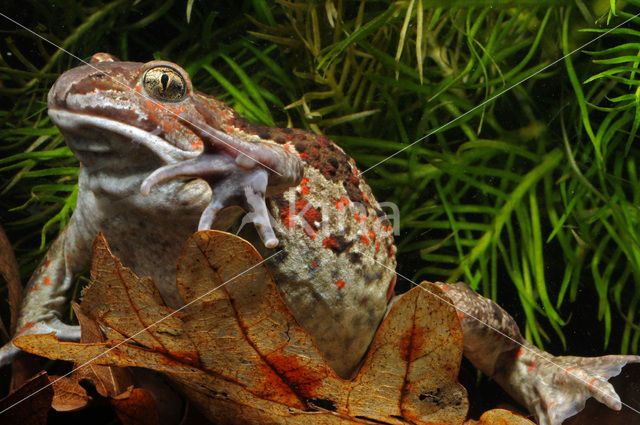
pixel 523 181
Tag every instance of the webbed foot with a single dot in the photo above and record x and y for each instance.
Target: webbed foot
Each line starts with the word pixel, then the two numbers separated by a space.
pixel 556 388
pixel 239 172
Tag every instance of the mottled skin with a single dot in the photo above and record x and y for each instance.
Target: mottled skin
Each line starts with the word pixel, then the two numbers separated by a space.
pixel 337 259
pixel 553 388
pixel 142 135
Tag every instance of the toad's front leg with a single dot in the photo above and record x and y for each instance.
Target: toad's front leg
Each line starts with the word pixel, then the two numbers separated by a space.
pixel 553 388
pixel 239 173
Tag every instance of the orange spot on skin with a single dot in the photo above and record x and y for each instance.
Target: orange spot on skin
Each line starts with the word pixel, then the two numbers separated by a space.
pixel 314 264
pixel 35 288
pixel 139 89
pixel 286 218
pixel 339 284
pixel 364 239
pixel 305 156
pixel 567 370
pixel 357 217
pixel 593 381
pixel 520 352
pixel 330 243
pixel 531 367
pixel 26 326
pixel 304 189
pixel 460 315
pixel 390 289
pixel 47 262
pixel 377 246
pixel 365 197
pixel 312 215
pixel 341 203
pixel 328 171
pixel 47 281
pixel 372 235
pixel 445 287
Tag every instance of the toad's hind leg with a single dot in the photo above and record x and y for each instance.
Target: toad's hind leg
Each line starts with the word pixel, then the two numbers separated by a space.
pixel 553 388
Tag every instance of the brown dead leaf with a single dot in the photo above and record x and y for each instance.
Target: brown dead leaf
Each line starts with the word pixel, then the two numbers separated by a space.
pixel 108 381
pixel 11 274
pixel 239 355
pixel 68 395
pixel 24 367
pixel 29 404
pixel 500 417
pixel 136 407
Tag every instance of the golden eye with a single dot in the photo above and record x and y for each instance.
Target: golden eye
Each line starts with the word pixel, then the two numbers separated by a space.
pixel 164 83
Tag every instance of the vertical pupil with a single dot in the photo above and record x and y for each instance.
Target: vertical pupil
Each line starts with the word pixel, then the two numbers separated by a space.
pixel 164 80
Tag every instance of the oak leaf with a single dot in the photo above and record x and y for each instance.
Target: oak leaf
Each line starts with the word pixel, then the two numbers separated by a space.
pixel 10 272
pixel 23 367
pixel 108 384
pixel 237 353
pixel 499 417
pixel 38 392
pixel 68 394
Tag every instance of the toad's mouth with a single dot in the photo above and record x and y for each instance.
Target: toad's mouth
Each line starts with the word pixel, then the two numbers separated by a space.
pixel 240 173
pixel 74 121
